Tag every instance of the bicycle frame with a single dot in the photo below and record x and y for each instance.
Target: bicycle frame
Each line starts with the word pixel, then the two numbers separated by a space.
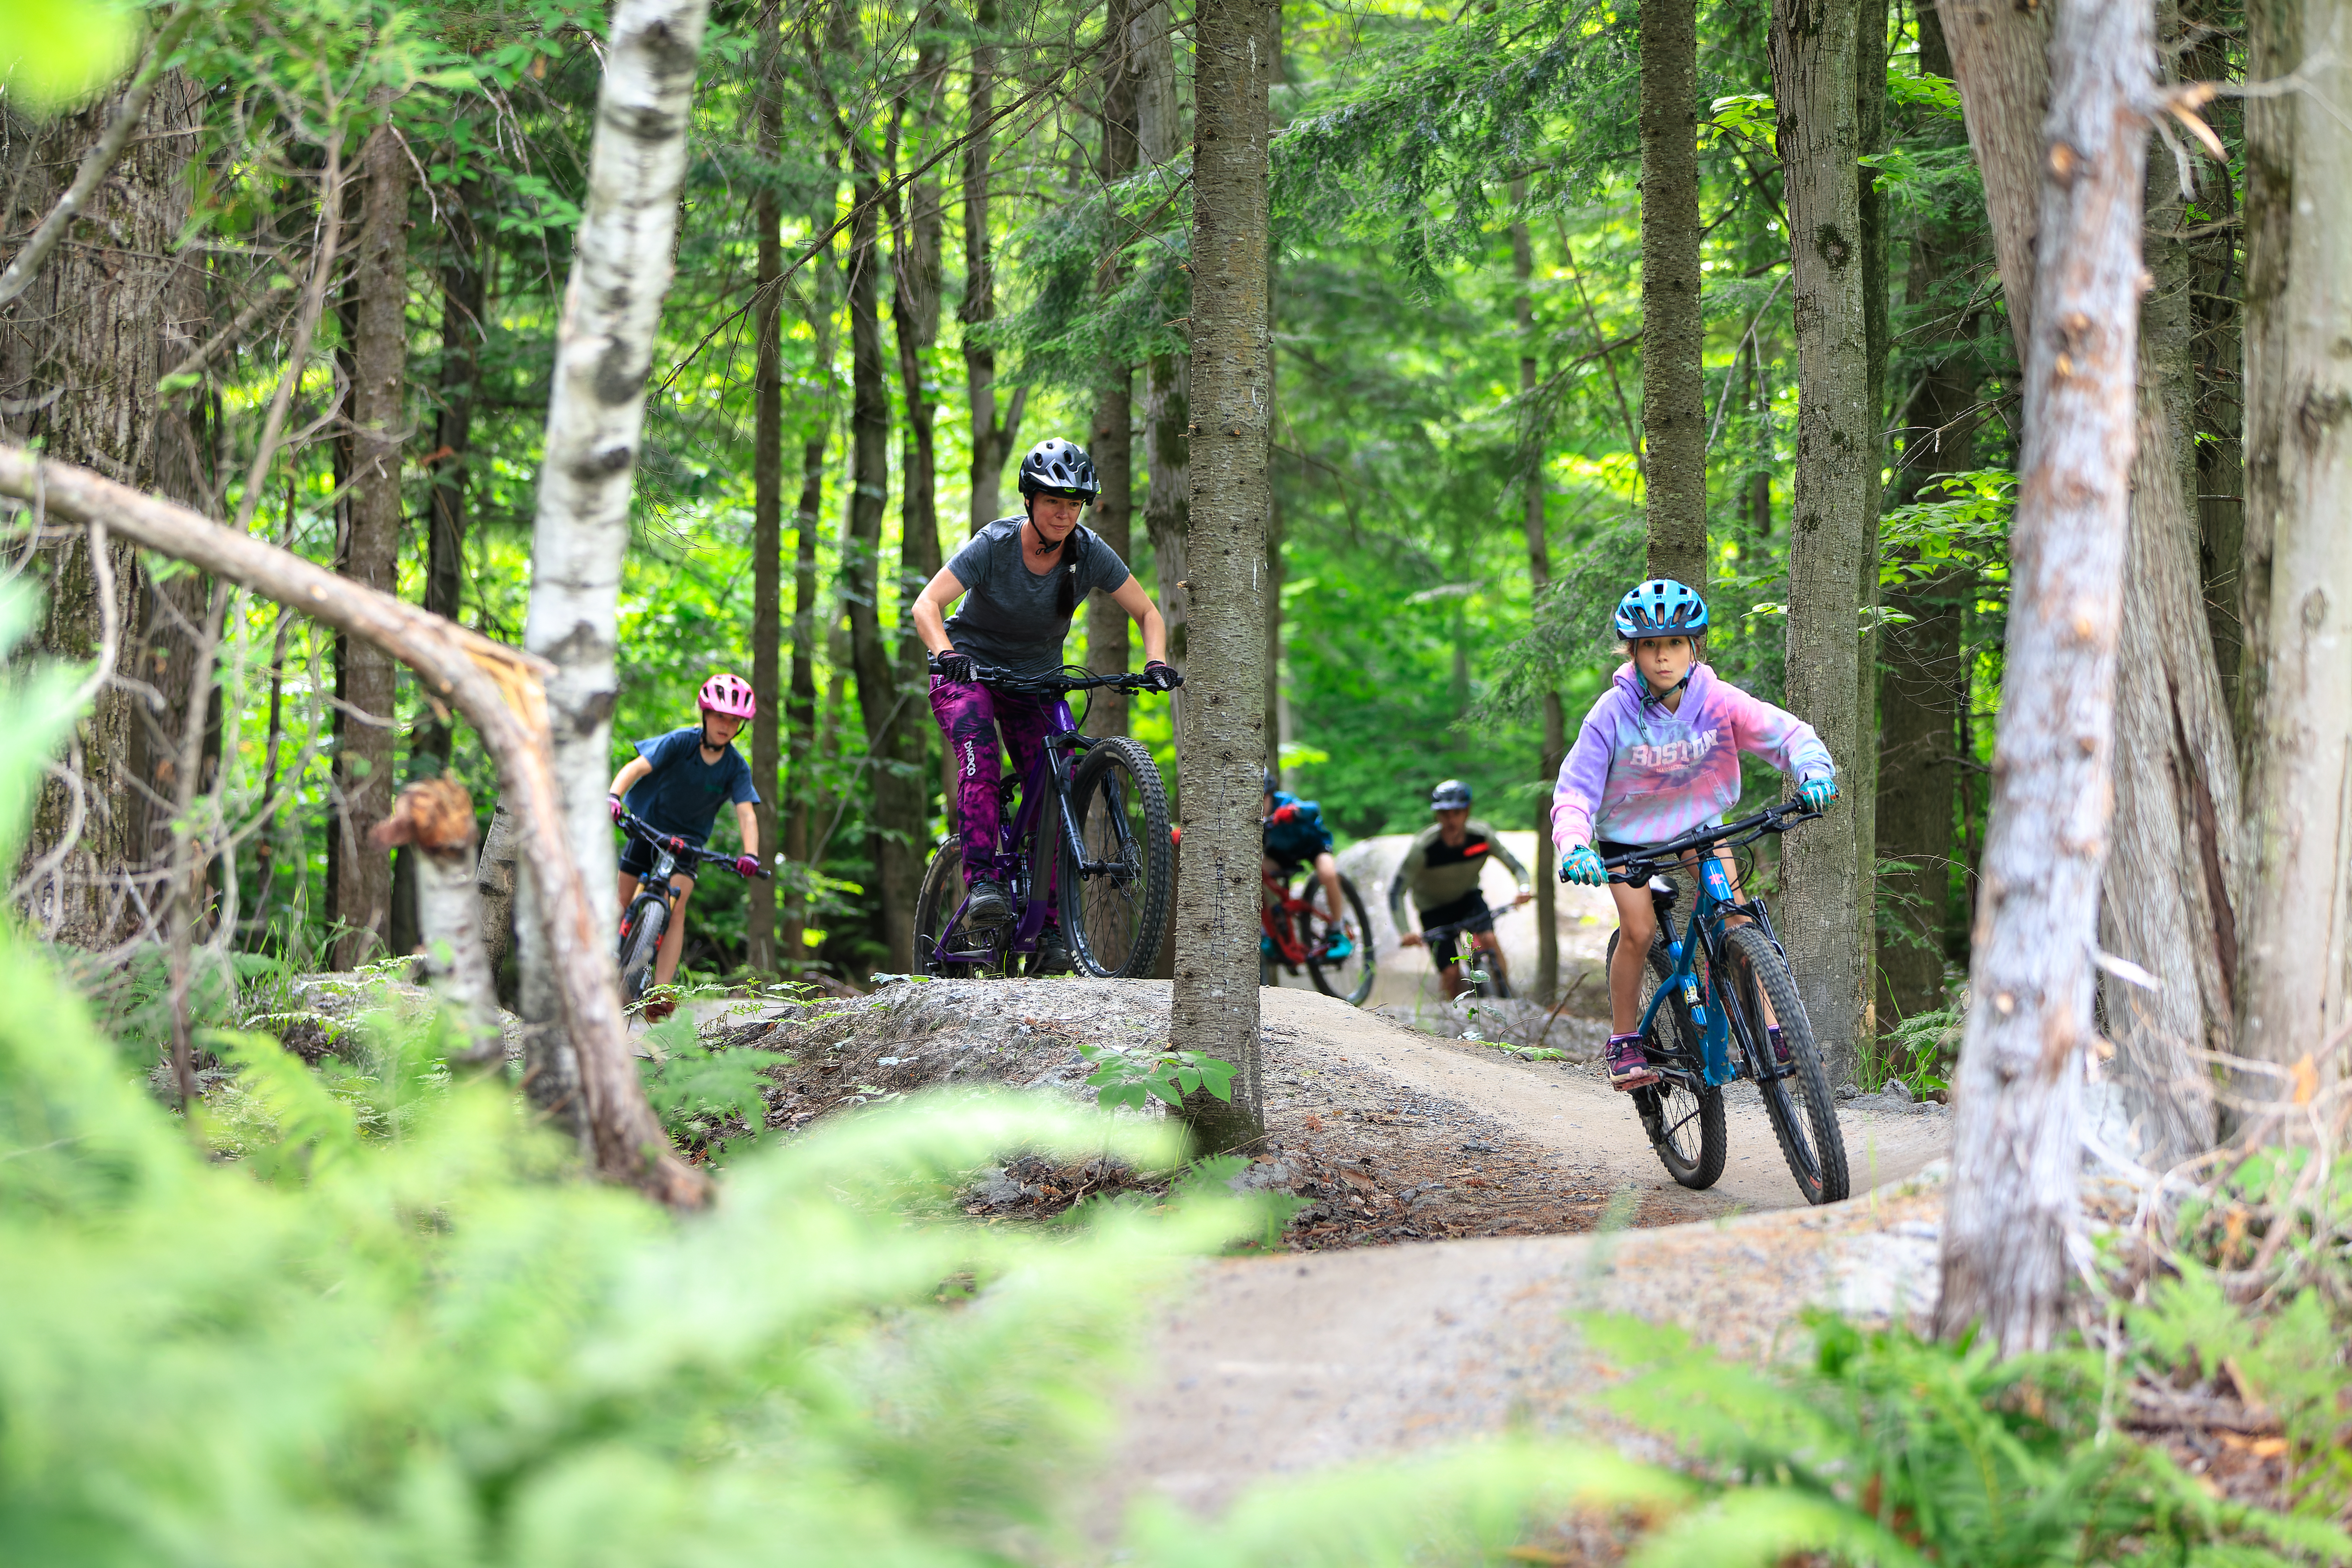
pixel 1292 952
pixel 1048 779
pixel 1715 902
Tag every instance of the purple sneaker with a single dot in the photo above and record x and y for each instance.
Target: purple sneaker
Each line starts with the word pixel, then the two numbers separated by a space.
pixel 1629 1067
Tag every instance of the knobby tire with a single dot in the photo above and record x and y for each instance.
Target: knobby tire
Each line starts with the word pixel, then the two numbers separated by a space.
pixel 1685 1123
pixel 1114 921
pixel 1335 980
pixel 935 905
pixel 647 918
pixel 1805 1121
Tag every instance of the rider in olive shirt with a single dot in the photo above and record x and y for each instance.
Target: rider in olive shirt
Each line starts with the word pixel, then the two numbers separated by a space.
pixel 1441 871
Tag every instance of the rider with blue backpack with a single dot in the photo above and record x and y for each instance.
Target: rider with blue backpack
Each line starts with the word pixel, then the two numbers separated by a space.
pixel 1657 757
pixel 1295 836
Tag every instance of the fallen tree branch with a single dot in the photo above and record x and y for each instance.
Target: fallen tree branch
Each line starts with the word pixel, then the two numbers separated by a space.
pixel 499 689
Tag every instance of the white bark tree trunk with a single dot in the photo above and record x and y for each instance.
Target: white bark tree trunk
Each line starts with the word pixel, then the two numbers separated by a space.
pixel 2292 994
pixel 2017 1137
pixel 596 414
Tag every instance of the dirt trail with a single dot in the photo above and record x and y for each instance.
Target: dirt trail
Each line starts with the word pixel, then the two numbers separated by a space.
pixel 1567 1109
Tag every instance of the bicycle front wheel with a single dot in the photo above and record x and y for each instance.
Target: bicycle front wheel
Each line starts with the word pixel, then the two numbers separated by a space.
pixel 943 947
pixel 1681 1112
pixel 1804 1111
pixel 1114 900
pixel 642 926
pixel 1350 978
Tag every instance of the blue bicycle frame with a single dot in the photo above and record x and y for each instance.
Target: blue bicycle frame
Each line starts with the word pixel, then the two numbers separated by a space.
pixel 1704 928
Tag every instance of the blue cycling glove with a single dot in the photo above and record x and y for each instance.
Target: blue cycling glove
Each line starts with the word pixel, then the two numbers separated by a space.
pixel 1818 792
pixel 1581 865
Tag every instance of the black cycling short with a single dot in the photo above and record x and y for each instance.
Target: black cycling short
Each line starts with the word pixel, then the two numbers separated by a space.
pixel 1471 907
pixel 638 859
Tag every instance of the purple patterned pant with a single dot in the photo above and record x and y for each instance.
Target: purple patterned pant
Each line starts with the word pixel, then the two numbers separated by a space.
pixel 971 716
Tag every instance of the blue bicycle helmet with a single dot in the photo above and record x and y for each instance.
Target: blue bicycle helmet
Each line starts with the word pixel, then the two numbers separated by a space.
pixel 1451 795
pixel 1660 608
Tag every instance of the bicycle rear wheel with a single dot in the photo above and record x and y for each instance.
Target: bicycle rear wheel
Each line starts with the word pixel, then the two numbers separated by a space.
pixel 1115 914
pixel 1350 978
pixel 943 947
pixel 642 925
pixel 1804 1111
pixel 1681 1112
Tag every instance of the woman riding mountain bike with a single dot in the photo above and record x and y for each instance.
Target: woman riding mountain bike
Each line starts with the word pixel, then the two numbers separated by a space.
pixel 1022 580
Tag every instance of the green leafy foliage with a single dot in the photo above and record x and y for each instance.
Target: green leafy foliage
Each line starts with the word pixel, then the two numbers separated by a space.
pixel 700 1090
pixel 1898 1451
pixel 1131 1079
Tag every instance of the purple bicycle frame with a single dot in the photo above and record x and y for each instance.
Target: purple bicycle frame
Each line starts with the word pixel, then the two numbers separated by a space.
pixel 1035 791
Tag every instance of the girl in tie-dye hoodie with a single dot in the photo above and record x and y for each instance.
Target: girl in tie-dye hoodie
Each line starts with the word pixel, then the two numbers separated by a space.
pixel 1658 756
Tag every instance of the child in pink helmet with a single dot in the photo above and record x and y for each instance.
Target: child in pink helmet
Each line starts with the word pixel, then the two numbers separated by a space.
pixel 677 783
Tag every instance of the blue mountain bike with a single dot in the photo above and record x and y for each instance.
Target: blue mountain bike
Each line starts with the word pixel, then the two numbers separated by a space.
pixel 1084 834
pixel 1706 1020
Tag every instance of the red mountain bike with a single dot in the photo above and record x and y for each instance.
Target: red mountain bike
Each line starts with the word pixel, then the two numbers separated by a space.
pixel 1296 931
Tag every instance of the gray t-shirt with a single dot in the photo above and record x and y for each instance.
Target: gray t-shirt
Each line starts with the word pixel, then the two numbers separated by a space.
pixel 1009 620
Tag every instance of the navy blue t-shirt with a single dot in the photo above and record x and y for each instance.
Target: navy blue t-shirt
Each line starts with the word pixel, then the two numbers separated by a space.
pixel 683 794
pixel 1301 838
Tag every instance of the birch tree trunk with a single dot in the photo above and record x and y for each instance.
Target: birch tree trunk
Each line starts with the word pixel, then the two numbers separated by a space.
pixel 2017 1139
pixel 364 760
pixel 2292 1001
pixel 596 418
pixel 1826 867
pixel 1223 751
pixel 1674 333
pixel 767 497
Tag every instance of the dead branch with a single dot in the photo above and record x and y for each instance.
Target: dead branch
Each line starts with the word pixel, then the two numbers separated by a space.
pixel 500 690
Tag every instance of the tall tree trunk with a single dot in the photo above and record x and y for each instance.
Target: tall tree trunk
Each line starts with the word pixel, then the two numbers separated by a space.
pixel 879 698
pixel 1674 332
pixel 2176 852
pixel 1921 676
pixel 767 495
pixel 1554 720
pixel 1166 378
pixel 596 418
pixel 800 714
pixel 915 311
pixel 1216 1003
pixel 1869 138
pixel 1921 672
pixel 2214 279
pixel 2017 1140
pixel 994 430
pixel 2297 672
pixel 84 347
pixel 363 761
pixel 463 323
pixel 1826 868
pixel 1114 412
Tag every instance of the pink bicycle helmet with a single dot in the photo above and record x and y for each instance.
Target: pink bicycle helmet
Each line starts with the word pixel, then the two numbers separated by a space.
pixel 730 695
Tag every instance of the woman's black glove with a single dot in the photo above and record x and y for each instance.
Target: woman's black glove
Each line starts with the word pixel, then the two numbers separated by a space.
pixel 1161 676
pixel 954 666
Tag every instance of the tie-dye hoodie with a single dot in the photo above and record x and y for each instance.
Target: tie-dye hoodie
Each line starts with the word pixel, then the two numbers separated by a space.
pixel 1639 775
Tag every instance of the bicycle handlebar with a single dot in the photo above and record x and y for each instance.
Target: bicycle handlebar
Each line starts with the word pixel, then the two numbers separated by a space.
pixel 630 822
pixel 1640 865
pixel 1054 686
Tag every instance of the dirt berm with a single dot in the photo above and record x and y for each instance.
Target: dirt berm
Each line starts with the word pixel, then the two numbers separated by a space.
pixel 1503 1167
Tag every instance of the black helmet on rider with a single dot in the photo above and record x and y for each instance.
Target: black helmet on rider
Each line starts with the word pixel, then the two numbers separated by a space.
pixel 1055 467
pixel 1451 795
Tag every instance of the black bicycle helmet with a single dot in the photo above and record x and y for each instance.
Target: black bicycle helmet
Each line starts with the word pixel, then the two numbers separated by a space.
pixel 1060 467
pixel 1451 795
